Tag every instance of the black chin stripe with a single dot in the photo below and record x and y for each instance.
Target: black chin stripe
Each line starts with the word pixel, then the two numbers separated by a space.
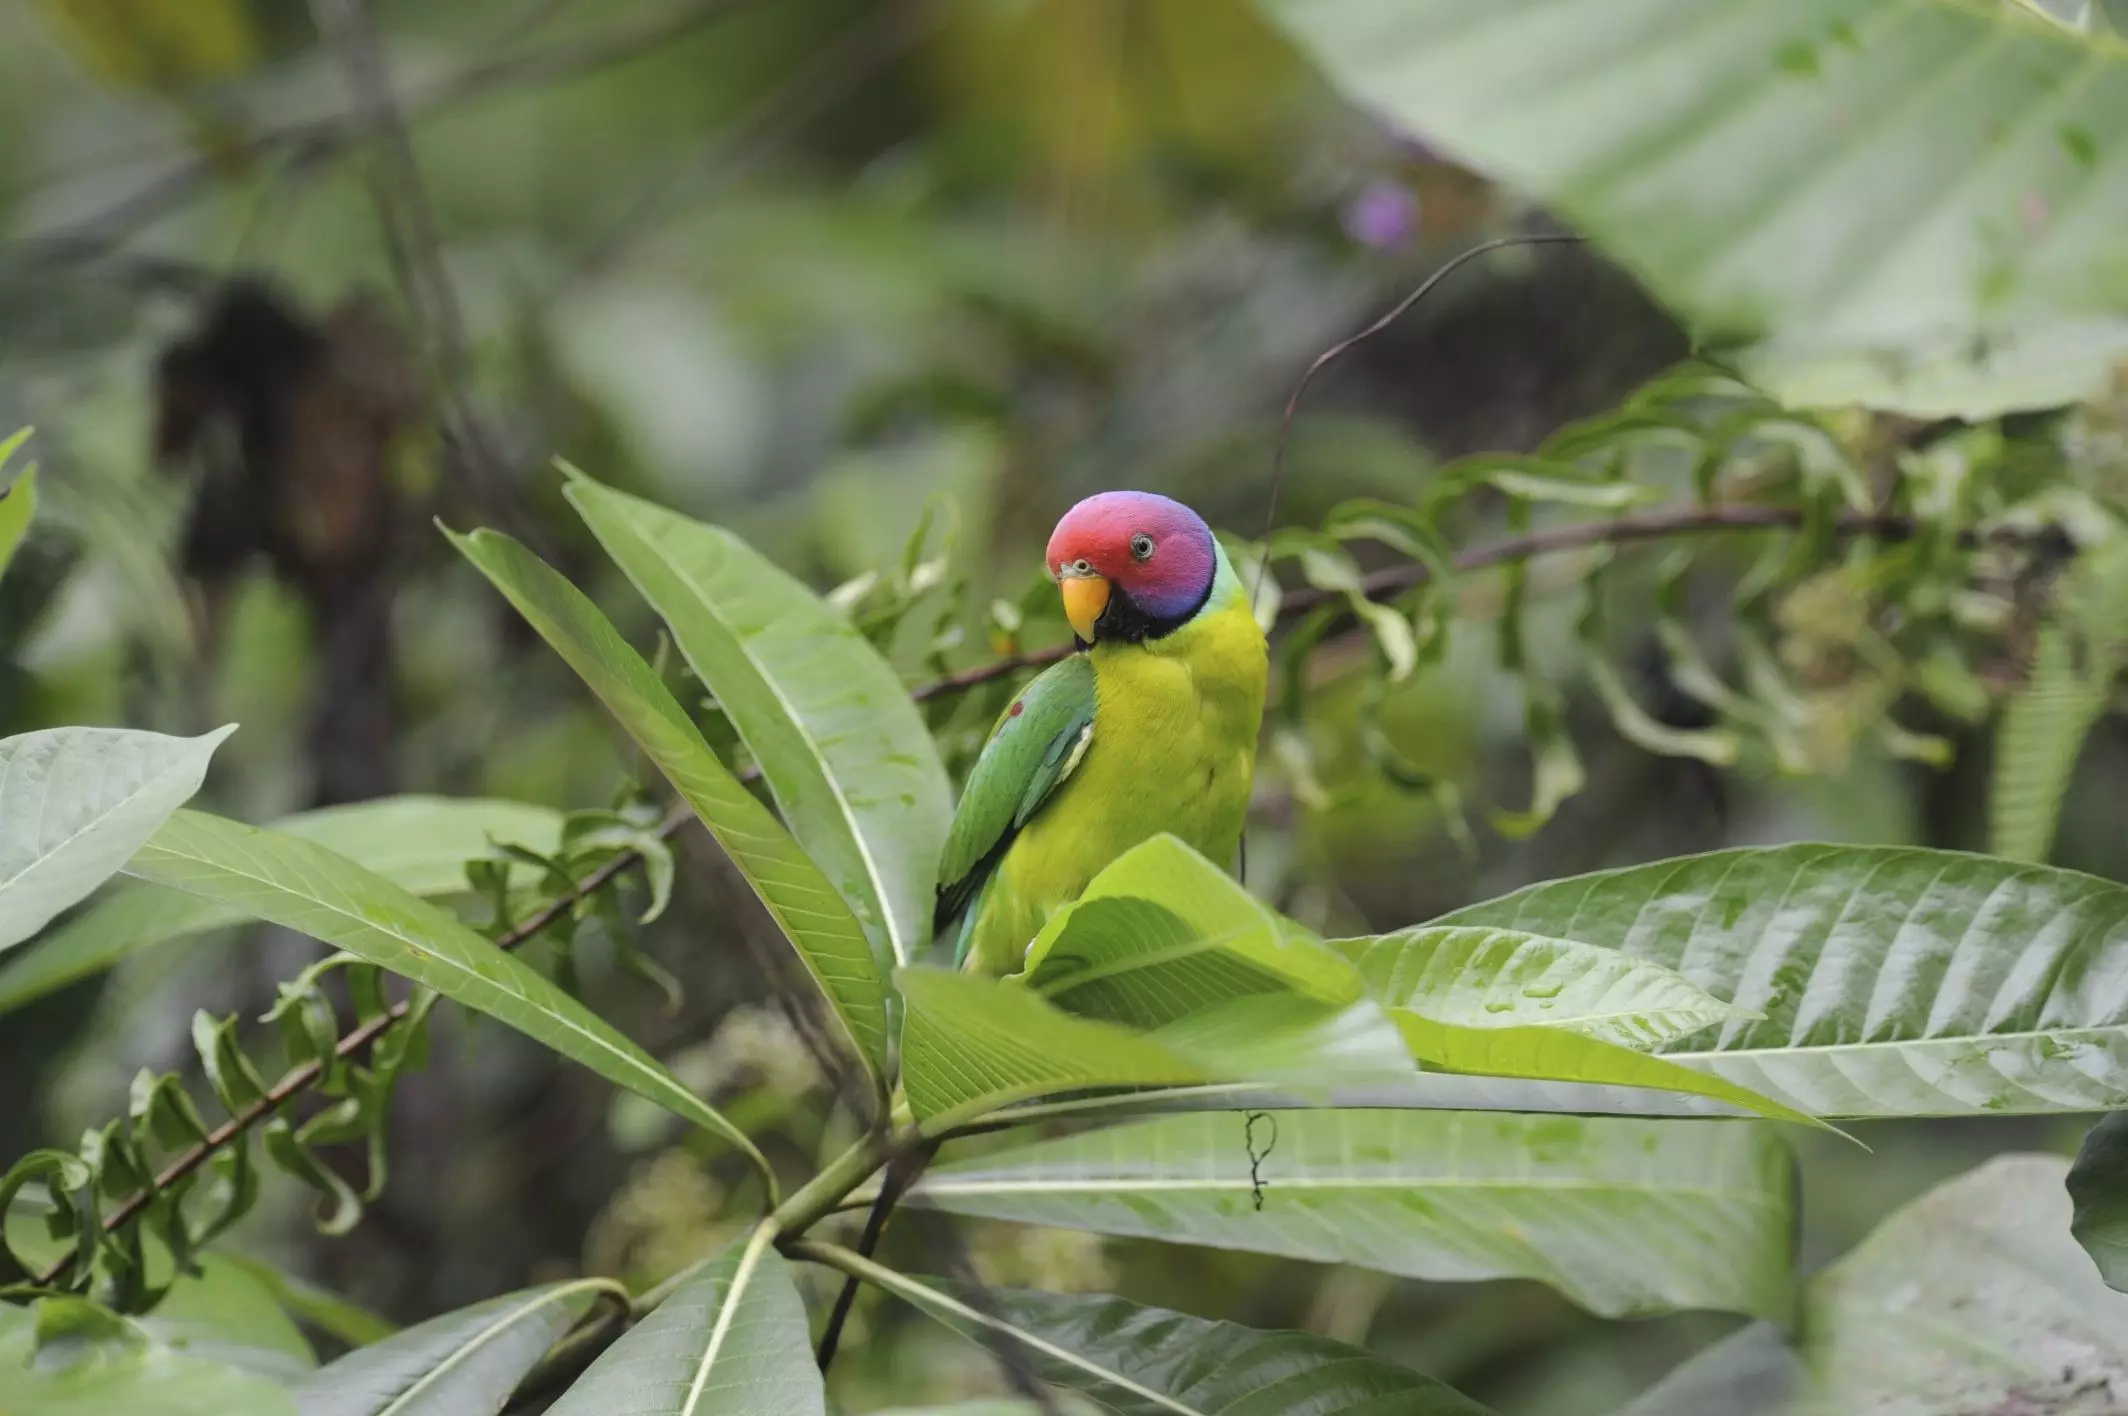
pixel 1123 621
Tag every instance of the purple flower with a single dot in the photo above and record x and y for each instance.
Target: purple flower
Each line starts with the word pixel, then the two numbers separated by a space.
pixel 1385 214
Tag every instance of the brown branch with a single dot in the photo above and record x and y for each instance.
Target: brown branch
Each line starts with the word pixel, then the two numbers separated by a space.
pixel 1391 581
pixel 303 1078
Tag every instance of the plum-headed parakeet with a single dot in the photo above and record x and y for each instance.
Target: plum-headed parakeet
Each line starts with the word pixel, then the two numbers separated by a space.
pixel 1151 727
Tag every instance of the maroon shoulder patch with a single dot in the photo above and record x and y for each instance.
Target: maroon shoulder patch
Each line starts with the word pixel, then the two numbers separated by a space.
pixel 1018 708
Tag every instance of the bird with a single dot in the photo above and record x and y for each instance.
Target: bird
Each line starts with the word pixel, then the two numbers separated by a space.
pixel 1149 727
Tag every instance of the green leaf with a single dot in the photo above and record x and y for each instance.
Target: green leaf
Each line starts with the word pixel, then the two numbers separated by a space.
pixel 1621 1215
pixel 462 1364
pixel 1161 932
pixel 1483 977
pixel 2098 1184
pixel 803 903
pixel 67 1357
pixel 2074 664
pixel 1557 1054
pixel 329 1313
pixel 225 1314
pixel 419 842
pixel 732 1340
pixel 300 885
pixel 843 749
pixel 972 1044
pixel 18 503
pixel 1899 204
pixel 1972 1298
pixel 75 803
pixel 1892 981
pixel 1141 1361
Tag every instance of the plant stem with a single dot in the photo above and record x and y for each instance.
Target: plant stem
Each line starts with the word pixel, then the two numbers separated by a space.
pixel 303 1078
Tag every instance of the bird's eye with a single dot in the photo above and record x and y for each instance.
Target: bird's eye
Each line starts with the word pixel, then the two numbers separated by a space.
pixel 1082 566
pixel 1141 547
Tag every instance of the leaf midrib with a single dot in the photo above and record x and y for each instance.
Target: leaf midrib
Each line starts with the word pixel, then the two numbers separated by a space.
pixel 14 881
pixel 694 1107
pixel 734 1294
pixel 805 733
pixel 1242 1183
pixel 487 1334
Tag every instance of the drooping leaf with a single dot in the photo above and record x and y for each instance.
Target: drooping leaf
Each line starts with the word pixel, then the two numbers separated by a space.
pixel 1623 1216
pixel 224 1314
pixel 68 1357
pixel 803 902
pixel 1141 1361
pixel 329 1313
pixel 75 803
pixel 1560 1055
pixel 300 885
pixel 1903 205
pixel 418 842
pixel 1892 981
pixel 1483 977
pixel 971 1044
pixel 464 1363
pixel 2098 1185
pixel 1162 931
pixel 731 1341
pixel 846 753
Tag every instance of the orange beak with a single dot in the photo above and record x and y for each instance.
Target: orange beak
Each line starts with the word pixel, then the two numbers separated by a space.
pixel 1085 597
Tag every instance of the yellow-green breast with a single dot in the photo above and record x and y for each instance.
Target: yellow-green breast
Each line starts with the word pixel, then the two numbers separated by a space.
pixel 1173 749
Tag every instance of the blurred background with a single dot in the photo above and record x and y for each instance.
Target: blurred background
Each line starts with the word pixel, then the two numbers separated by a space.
pixel 884 287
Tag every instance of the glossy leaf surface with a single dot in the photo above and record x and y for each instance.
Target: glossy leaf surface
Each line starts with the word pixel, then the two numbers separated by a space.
pixel 803 903
pixel 75 803
pixel 1903 203
pixel 844 750
pixel 1623 1216
pixel 730 1342
pixel 1891 981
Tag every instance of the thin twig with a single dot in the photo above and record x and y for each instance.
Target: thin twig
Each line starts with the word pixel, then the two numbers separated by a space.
pixel 901 1174
pixel 310 140
pixel 303 1078
pixel 1391 581
pixel 408 221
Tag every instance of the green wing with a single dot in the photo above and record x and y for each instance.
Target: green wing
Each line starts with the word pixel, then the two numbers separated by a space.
pixel 1038 739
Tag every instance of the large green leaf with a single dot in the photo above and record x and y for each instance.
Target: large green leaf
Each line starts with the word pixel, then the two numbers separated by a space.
pixel 1972 1298
pixel 730 1342
pixel 326 1311
pixel 225 1314
pixel 1557 1054
pixel 419 842
pixel 1892 982
pixel 67 1357
pixel 972 1044
pixel 1906 203
pixel 801 900
pixel 1141 1361
pixel 2065 695
pixel 1479 978
pixel 843 749
pixel 1622 1216
pixel 75 803
pixel 2098 1186
pixel 1162 931
pixel 462 1364
pixel 300 885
